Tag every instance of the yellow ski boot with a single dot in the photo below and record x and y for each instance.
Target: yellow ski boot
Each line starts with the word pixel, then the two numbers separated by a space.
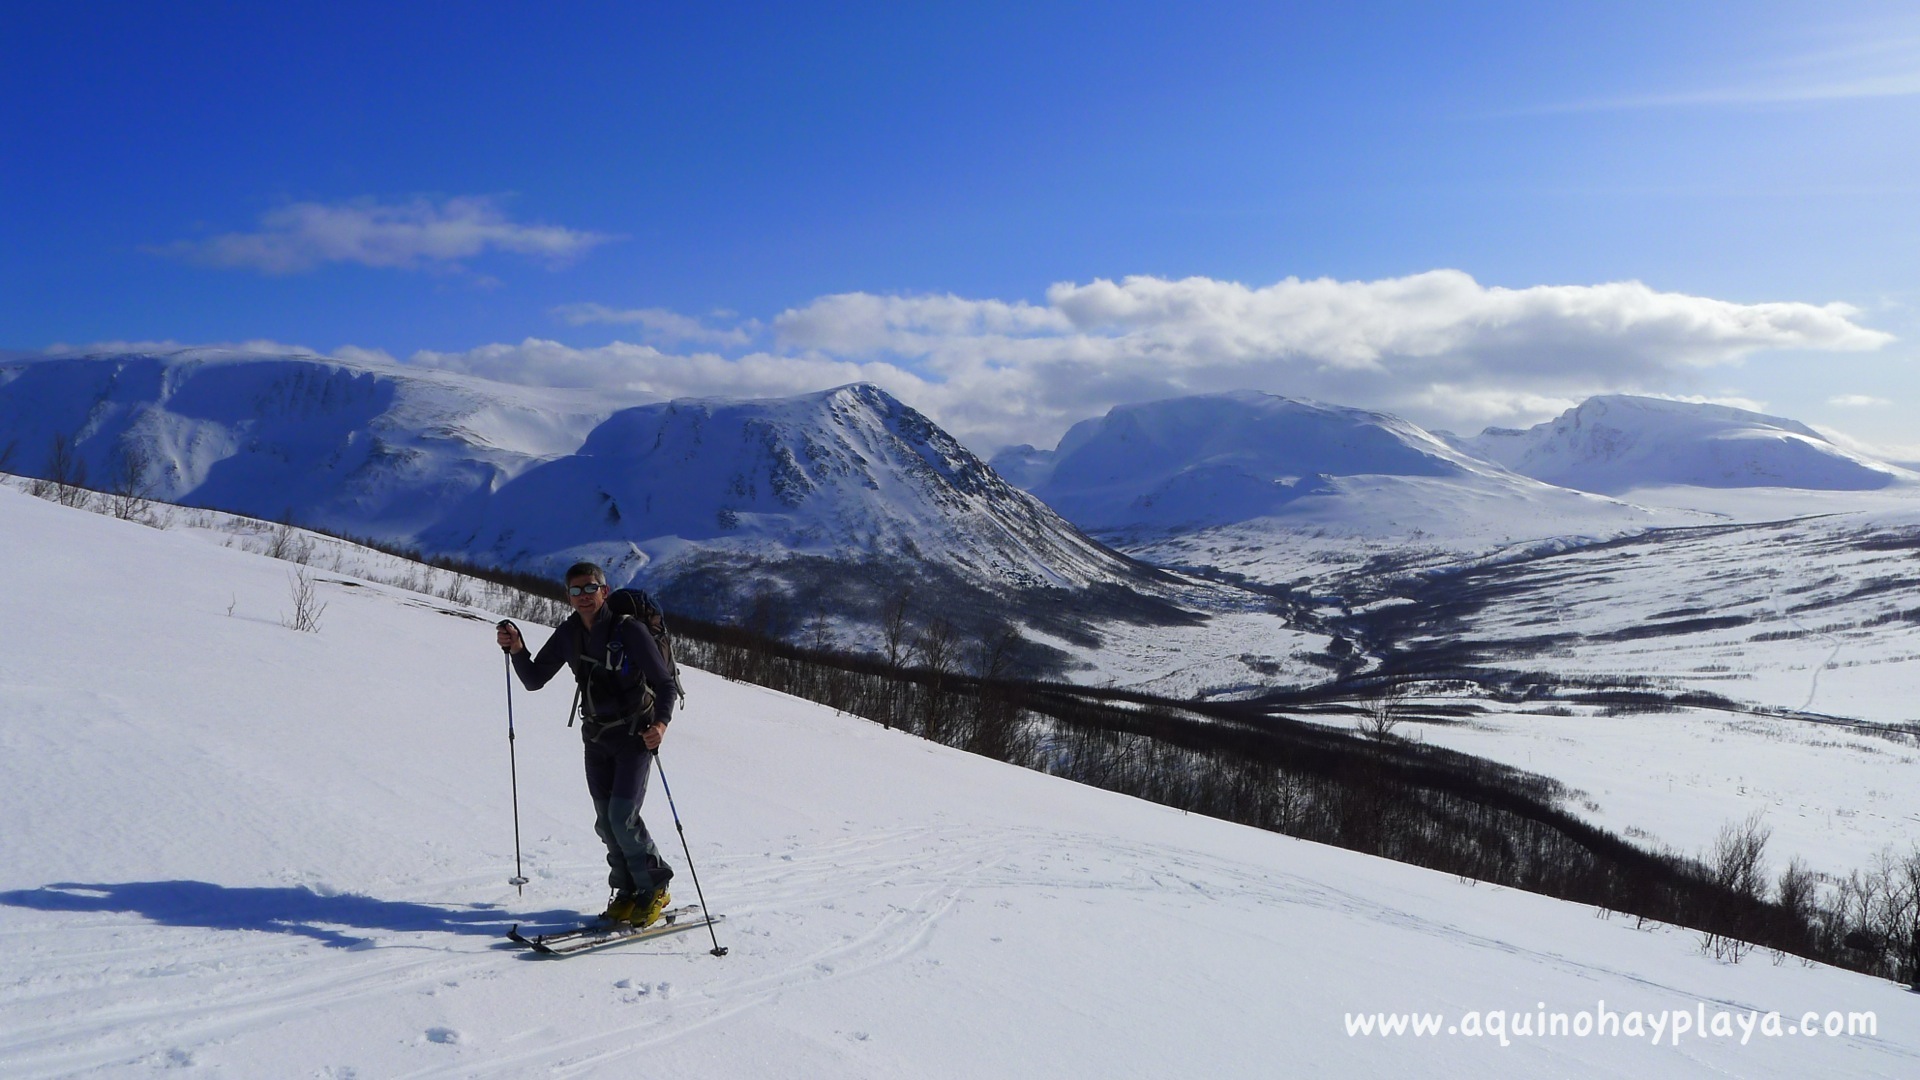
pixel 647 911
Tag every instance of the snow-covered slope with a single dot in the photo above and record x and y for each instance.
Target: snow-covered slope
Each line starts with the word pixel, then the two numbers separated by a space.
pixel 1682 679
pixel 1819 615
pixel 1615 444
pixel 370 448
pixel 237 850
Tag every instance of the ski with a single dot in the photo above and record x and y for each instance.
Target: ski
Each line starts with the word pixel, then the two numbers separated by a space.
pixel 596 935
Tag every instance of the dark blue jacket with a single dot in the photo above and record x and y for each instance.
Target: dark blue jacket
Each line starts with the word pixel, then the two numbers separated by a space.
pixel 615 658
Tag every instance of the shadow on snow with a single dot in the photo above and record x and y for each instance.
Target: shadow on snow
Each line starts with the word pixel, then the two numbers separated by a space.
pixel 286 910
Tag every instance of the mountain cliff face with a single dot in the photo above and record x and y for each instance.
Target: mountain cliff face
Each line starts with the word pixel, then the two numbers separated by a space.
pixel 1617 443
pixel 373 449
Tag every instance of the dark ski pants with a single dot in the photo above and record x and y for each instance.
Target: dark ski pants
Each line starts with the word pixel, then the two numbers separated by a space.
pixel 617 766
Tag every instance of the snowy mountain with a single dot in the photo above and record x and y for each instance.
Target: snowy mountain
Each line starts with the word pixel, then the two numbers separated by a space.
pixel 198 886
pixel 720 502
pixel 1271 488
pixel 1615 444
pixel 822 506
pixel 1219 458
pixel 368 448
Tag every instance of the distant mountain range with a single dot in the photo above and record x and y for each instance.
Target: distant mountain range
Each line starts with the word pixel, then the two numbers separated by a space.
pixel 821 507
pixel 1223 480
pixel 818 510
pixel 1193 463
pixel 1279 490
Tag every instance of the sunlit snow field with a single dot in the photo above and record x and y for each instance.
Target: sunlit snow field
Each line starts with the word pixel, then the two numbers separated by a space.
pixel 234 849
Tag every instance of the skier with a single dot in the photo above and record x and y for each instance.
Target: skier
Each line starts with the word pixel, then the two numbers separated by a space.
pixel 625 698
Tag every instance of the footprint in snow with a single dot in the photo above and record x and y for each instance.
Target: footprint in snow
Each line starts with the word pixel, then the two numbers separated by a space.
pixel 443 1036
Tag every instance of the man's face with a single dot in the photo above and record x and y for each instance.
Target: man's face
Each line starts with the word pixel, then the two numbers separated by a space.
pixel 585 602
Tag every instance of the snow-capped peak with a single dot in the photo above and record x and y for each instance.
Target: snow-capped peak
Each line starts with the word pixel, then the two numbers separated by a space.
pixel 1219 458
pixel 690 494
pixel 1616 443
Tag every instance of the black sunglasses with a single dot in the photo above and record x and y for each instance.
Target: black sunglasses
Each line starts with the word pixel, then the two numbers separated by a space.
pixel 588 589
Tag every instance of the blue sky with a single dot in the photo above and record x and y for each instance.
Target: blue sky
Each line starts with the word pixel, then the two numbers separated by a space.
pixel 725 198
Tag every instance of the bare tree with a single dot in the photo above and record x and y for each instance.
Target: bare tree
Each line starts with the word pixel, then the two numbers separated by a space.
pixel 1737 864
pixel 1739 854
pixel 282 542
pixel 66 473
pixel 997 730
pixel 128 491
pixel 1384 708
pixel 893 627
pixel 994 653
pixel 938 646
pixel 1797 888
pixel 306 608
pixel 819 632
pixel 1903 917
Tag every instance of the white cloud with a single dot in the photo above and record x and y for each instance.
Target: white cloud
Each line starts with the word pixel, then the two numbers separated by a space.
pixel 408 235
pixel 660 324
pixel 537 362
pixel 1857 401
pixel 863 322
pixel 1438 347
pixel 256 346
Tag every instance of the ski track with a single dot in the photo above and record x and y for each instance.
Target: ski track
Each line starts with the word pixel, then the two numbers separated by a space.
pixel 801 915
pixel 942 873
pixel 126 1034
pixel 939 877
pixel 812 913
pixel 58 1022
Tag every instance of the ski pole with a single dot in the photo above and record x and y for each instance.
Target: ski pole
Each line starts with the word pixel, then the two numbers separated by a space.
pixel 518 880
pixel 668 788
